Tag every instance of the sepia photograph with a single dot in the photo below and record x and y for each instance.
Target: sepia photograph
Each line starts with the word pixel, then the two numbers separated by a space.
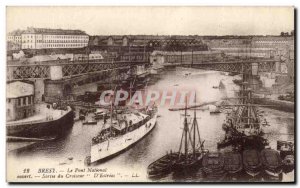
pixel 150 94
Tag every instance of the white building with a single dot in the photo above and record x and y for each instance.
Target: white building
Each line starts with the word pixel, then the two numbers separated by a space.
pixel 14 40
pixel 41 38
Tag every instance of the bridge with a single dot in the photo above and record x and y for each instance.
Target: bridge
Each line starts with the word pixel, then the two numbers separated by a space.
pixel 62 78
pixel 234 66
pixel 218 62
pixel 68 69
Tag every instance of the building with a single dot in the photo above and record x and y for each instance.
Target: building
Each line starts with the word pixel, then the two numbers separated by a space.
pixel 42 38
pixel 14 40
pixel 19 100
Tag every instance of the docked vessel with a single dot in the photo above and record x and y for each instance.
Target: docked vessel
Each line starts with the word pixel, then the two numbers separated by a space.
pixel 193 150
pixel 162 166
pixel 243 125
pixel 213 166
pixel 271 162
pixel 252 163
pixel 189 156
pixel 124 131
pixel 46 122
pixel 233 163
pixel 213 162
pixel 288 163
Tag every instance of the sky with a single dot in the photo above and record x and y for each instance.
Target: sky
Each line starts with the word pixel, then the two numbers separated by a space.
pixel 156 20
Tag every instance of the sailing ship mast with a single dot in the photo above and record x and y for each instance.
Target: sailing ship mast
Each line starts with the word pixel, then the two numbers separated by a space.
pixel 186 130
pixel 194 130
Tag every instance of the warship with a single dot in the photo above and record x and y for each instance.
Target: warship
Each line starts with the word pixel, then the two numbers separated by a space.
pixel 127 127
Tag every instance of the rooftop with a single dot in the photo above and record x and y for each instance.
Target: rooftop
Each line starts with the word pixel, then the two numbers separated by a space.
pixel 54 31
pixel 16 32
pixel 19 89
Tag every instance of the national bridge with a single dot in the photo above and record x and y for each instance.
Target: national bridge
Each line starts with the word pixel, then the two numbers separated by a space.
pixel 257 65
pixel 60 78
pixel 234 66
pixel 68 69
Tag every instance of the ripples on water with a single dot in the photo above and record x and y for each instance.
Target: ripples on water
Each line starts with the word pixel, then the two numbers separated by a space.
pixel 166 135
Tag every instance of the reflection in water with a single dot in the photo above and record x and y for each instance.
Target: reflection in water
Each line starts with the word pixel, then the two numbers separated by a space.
pixel 166 135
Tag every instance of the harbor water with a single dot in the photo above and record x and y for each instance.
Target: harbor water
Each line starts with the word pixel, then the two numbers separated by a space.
pixel 165 136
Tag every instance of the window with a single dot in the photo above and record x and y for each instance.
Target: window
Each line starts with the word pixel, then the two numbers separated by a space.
pixel 19 101
pixel 24 101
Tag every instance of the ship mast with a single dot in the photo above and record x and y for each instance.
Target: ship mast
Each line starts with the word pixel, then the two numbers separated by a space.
pixel 186 132
pixel 111 110
pixel 194 133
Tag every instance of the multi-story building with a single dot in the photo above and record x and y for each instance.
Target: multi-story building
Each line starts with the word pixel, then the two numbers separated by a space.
pixel 19 100
pixel 42 38
pixel 14 40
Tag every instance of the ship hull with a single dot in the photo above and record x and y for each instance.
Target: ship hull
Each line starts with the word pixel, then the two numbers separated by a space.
pixel 53 128
pixel 106 150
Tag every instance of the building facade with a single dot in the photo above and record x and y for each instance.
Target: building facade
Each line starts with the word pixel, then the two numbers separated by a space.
pixel 14 40
pixel 42 38
pixel 19 101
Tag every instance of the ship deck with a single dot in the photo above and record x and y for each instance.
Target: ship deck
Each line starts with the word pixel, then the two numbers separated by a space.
pixel 42 114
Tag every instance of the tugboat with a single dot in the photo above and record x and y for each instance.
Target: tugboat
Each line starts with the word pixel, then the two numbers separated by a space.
pixel 252 163
pixel 123 132
pixel 272 163
pixel 188 161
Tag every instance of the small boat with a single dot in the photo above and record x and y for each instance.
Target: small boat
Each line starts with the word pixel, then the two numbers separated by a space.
pixel 162 166
pixel 251 162
pixel 221 85
pixel 288 163
pixel 237 81
pixel 215 110
pixel 81 117
pixel 285 148
pixel 233 163
pixel 215 87
pixel 90 122
pixel 213 162
pixel 271 162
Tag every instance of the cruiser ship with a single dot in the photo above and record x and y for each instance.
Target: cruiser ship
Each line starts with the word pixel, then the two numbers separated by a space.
pixel 125 130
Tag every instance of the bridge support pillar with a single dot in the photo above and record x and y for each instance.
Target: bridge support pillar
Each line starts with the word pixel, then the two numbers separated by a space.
pixel 254 69
pixel 277 67
pixel 56 72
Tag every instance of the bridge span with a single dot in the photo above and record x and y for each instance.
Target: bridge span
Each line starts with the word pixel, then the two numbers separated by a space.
pixel 234 66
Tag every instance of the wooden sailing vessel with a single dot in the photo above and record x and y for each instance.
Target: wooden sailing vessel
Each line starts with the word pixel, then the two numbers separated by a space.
pixel 243 126
pixel 190 139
